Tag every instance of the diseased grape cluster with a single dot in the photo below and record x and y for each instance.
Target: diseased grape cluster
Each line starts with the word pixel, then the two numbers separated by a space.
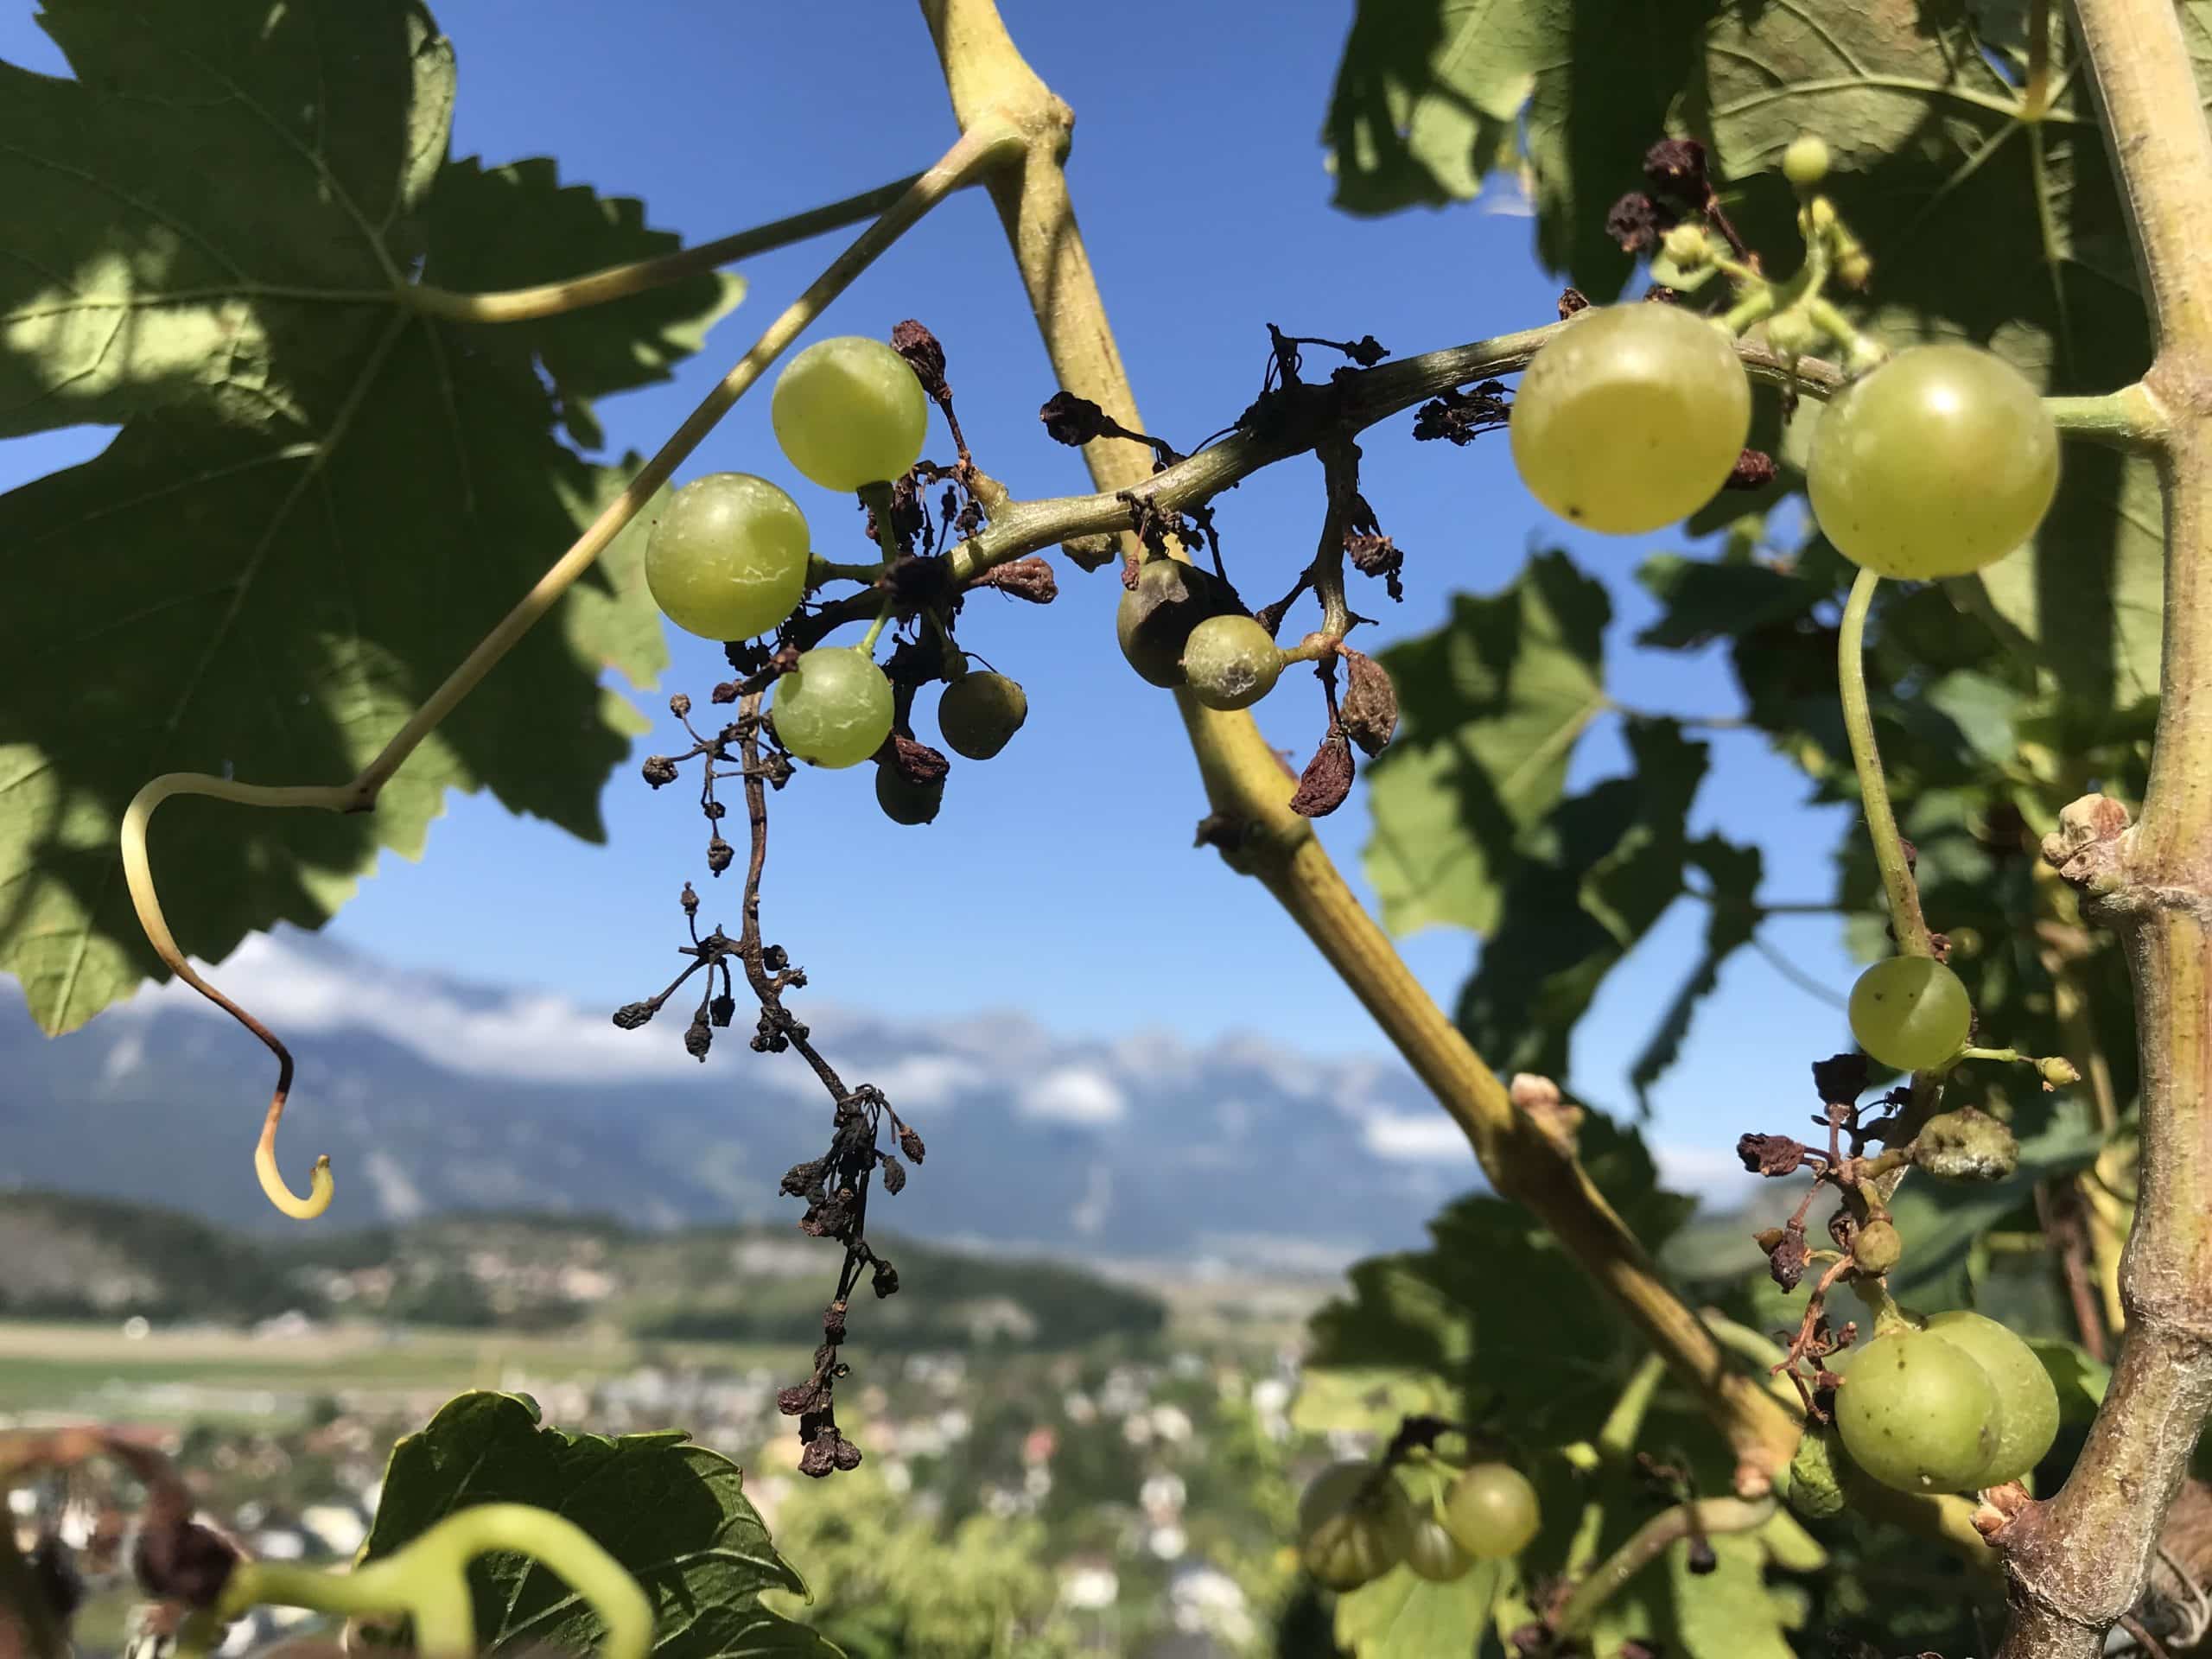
pixel 1357 1521
pixel 1955 1404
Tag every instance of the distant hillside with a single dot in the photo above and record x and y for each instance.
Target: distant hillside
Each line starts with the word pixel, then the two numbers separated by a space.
pixel 433 1097
pixel 76 1257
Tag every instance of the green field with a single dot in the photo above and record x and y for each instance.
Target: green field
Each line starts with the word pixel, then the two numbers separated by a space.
pixel 49 1370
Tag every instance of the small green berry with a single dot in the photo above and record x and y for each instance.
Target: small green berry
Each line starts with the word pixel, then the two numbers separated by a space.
pixel 1805 163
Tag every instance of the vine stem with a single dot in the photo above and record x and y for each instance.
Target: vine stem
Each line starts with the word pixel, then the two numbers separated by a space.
pixel 986 145
pixel 427 1581
pixel 642 276
pixel 1905 920
pixel 1247 782
pixel 2079 1560
pixel 1706 1516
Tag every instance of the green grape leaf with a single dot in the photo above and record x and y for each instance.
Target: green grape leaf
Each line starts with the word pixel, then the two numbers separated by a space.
pixel 1497 1311
pixel 1603 866
pixel 1706 600
pixel 1490 707
pixel 344 493
pixel 1941 1220
pixel 2080 1380
pixel 1734 873
pixel 1404 1616
pixel 1928 157
pixel 1368 1399
pixel 674 1514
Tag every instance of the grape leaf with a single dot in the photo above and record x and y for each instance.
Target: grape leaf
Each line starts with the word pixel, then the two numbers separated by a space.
pixel 1734 872
pixel 1941 1220
pixel 675 1515
pixel 1404 1616
pixel 1603 866
pixel 321 497
pixel 1929 157
pixel 1490 707
pixel 1497 1311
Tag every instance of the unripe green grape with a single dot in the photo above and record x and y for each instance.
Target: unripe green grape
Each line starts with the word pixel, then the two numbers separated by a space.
pixel 1231 663
pixel 834 708
pixel 1154 619
pixel 1816 1483
pixel 1434 1554
pixel 1940 462
pixel 1353 1525
pixel 1879 1247
pixel 1910 1012
pixel 1631 418
pixel 726 557
pixel 979 713
pixel 1792 333
pixel 850 412
pixel 1492 1510
pixel 2027 1401
pixel 1805 163
pixel 904 801
pixel 1918 1413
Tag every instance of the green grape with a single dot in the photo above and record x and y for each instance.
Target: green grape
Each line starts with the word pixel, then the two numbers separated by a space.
pixel 979 713
pixel 1805 162
pixel 2027 1402
pixel 834 708
pixel 850 412
pixel 1631 418
pixel 1491 1510
pixel 1940 462
pixel 1878 1247
pixel 904 801
pixel 1918 1413
pixel 1154 619
pixel 1434 1554
pixel 1352 1526
pixel 726 558
pixel 1231 663
pixel 1910 1012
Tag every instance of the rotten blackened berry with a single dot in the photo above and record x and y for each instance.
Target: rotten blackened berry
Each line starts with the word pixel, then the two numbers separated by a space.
pixel 1370 710
pixel 1327 778
pixel 1787 1259
pixel 631 1016
pixel 1636 222
pixel 885 1278
pixel 910 1143
pixel 1675 166
pixel 920 347
pixel 659 769
pixel 689 900
pixel 1770 1154
pixel 679 705
pixel 1071 419
pixel 1840 1079
pixel 698 1036
pixel 719 854
pixel 1031 579
pixel 722 1010
pixel 894 1175
pixel 1754 470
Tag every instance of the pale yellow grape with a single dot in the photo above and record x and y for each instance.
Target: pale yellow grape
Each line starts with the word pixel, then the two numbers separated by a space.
pixel 726 557
pixel 1940 461
pixel 834 708
pixel 1631 418
pixel 1231 663
pixel 850 412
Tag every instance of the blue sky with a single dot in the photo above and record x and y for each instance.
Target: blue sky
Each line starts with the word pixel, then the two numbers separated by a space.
pixel 1199 180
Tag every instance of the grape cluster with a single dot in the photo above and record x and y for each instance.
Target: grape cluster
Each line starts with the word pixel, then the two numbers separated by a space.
pixel 1955 1403
pixel 1357 1522
pixel 728 559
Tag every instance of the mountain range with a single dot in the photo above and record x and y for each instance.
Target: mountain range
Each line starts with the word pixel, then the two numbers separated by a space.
pixel 433 1096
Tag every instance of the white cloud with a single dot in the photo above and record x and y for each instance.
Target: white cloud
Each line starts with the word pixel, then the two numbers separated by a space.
pixel 927 1082
pixel 1711 1173
pixel 1415 1136
pixel 1074 1094
pixel 1089 1212
pixel 529 1036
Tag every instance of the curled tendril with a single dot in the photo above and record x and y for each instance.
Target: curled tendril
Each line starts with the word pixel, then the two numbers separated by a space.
pixel 138 876
pixel 427 1581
